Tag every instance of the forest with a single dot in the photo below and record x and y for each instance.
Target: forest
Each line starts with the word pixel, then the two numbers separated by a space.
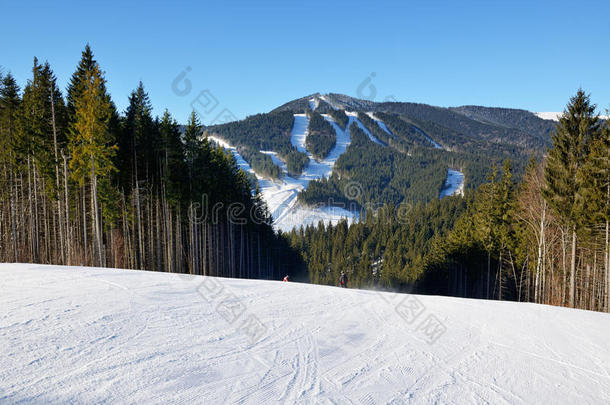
pixel 340 117
pixel 383 174
pixel 543 238
pixel 264 132
pixel 321 138
pixel 82 184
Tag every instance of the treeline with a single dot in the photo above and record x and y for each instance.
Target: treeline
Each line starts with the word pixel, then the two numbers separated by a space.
pixel 544 239
pixel 266 132
pixel 81 184
pixel 321 138
pixel 387 248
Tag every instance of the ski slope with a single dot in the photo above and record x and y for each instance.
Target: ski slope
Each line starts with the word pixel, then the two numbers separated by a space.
pixel 454 184
pixel 381 124
pixel 281 195
pixel 86 335
pixel 372 137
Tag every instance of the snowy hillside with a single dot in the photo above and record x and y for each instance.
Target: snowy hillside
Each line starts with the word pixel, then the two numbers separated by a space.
pixel 554 116
pixel 87 335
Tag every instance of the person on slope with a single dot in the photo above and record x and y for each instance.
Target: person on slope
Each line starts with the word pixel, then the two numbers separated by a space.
pixel 286 278
pixel 343 280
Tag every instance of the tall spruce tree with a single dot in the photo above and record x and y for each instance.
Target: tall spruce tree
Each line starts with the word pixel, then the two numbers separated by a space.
pixel 564 177
pixel 92 149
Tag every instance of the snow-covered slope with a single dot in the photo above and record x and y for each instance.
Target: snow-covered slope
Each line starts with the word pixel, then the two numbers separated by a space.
pixel 454 184
pixel 84 335
pixel 554 116
pixel 281 195
pixel 381 124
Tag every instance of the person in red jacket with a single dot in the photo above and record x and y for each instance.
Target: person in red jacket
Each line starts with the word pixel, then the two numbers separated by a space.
pixel 343 280
pixel 286 278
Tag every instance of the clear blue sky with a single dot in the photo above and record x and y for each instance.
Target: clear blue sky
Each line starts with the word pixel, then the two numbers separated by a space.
pixel 255 56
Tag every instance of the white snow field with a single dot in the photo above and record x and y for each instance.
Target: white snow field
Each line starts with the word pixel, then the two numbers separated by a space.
pixel 87 335
pixel 554 116
pixel 454 184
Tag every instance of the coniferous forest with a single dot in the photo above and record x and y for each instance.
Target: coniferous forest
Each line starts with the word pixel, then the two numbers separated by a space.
pixel 83 184
pixel 543 239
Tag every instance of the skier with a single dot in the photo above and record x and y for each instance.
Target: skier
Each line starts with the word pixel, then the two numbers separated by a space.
pixel 343 280
pixel 286 278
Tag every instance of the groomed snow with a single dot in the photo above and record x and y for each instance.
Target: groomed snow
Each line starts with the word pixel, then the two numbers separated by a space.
pixel 454 184
pixel 86 335
pixel 365 129
pixel 313 103
pixel 381 124
pixel 432 141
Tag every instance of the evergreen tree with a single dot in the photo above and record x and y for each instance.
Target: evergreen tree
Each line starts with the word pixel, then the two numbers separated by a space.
pixel 577 128
pixel 92 151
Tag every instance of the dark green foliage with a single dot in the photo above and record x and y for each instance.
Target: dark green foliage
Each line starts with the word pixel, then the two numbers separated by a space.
pixel 266 132
pixel 375 129
pixel 578 128
pixel 404 131
pixel 387 249
pixel 261 163
pixel 321 138
pixel 383 174
pixel 340 117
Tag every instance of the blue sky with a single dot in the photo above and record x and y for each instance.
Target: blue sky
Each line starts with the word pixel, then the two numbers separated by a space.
pixel 250 57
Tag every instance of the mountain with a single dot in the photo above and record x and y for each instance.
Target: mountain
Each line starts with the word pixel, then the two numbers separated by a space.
pixel 93 335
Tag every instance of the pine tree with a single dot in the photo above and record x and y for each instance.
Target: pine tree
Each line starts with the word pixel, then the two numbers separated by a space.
pixel 91 149
pixel 577 128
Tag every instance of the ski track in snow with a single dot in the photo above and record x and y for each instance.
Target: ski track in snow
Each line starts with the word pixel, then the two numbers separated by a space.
pixel 365 129
pixel 87 335
pixel 381 124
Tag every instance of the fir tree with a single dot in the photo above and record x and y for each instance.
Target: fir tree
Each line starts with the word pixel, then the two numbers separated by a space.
pixel 577 128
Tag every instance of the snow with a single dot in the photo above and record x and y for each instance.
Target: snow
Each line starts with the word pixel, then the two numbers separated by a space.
pixel 554 116
pixel 425 135
pixel 454 184
pixel 281 195
pixel 241 162
pixel 381 124
pixel 87 335
pixel 313 103
pixel 329 102
pixel 365 129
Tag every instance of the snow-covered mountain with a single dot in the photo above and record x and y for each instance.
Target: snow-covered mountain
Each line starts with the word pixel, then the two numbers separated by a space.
pixel 281 194
pixel 87 335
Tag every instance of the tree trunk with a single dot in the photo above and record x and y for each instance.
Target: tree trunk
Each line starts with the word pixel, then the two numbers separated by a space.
pixel 573 268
